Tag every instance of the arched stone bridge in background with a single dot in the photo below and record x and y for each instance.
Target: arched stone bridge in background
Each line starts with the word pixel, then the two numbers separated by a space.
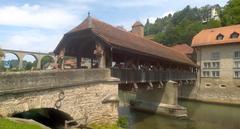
pixel 37 55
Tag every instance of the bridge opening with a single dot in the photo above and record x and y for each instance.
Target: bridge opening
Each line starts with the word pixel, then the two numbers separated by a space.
pixel 50 117
pixel 46 61
pixel 29 62
pixel 9 62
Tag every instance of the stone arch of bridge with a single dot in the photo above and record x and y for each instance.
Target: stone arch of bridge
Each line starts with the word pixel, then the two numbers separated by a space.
pixel 19 56
pixel 36 59
pixel 47 59
pixel 50 117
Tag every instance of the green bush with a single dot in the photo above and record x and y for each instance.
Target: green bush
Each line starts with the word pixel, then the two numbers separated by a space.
pixel 123 122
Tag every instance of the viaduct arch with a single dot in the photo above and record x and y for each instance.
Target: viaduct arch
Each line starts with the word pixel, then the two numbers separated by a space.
pixel 37 55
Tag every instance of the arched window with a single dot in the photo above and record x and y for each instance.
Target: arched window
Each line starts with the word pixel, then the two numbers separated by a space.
pixel 220 37
pixel 234 35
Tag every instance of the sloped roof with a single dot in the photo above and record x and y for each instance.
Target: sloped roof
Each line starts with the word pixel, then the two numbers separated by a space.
pixel 123 39
pixel 183 48
pixel 137 23
pixel 209 36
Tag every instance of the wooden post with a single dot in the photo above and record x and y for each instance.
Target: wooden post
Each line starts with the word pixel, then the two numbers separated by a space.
pixel 79 61
pixel 91 63
pixel 61 58
pixel 109 58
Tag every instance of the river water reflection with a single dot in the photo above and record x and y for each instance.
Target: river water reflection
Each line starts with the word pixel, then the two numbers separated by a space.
pixel 201 116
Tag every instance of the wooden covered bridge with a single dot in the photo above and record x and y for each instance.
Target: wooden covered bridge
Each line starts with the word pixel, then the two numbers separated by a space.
pixel 136 61
pixel 131 57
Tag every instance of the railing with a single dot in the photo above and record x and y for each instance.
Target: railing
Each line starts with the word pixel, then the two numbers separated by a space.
pixel 130 75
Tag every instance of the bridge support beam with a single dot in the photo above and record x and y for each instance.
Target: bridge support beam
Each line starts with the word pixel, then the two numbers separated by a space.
pixel 160 100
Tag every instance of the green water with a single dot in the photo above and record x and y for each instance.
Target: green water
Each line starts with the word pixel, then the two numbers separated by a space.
pixel 201 116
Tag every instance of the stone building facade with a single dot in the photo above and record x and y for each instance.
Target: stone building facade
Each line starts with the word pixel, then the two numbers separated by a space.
pixel 218 58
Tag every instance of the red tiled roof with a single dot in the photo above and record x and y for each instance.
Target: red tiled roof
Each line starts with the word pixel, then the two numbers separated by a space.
pixel 209 36
pixel 119 38
pixel 183 48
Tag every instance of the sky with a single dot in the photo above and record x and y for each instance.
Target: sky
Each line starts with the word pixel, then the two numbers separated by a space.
pixel 38 25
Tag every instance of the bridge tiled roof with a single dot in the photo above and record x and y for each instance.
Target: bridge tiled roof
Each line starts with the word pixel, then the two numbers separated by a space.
pixel 209 36
pixel 183 48
pixel 126 40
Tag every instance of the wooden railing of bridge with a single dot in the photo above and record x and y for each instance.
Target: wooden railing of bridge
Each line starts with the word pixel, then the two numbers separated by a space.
pixel 131 75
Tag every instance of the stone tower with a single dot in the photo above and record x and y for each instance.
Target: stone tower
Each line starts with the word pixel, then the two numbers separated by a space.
pixel 138 29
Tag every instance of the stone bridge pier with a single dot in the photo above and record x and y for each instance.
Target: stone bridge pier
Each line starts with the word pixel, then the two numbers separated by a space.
pixel 159 98
pixel 78 93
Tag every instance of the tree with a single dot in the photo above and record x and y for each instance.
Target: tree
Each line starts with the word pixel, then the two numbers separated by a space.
pixel 183 25
pixel 230 14
pixel 46 61
pixel 1 54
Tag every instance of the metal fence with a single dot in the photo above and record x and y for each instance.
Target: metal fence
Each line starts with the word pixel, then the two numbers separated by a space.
pixel 130 75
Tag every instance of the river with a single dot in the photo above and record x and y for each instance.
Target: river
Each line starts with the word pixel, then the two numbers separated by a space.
pixel 200 116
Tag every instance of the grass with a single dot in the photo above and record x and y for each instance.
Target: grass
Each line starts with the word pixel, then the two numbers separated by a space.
pixel 8 124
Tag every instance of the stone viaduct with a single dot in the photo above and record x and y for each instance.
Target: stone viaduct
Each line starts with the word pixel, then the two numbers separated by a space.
pixel 37 55
pixel 90 92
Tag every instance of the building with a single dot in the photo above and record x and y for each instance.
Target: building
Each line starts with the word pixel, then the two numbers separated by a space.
pixel 129 55
pixel 211 13
pixel 109 45
pixel 218 55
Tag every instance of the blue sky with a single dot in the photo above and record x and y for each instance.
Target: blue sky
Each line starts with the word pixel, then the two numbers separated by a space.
pixel 38 25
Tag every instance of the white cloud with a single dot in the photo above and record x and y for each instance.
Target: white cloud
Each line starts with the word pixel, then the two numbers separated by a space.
pixel 31 41
pixel 132 3
pixel 35 16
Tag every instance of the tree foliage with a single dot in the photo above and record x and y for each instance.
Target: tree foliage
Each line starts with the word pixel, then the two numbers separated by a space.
pixel 1 54
pixel 182 25
pixel 230 14
pixel 46 61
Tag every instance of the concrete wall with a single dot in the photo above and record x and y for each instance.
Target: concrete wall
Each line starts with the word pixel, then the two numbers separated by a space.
pixel 76 92
pixel 223 89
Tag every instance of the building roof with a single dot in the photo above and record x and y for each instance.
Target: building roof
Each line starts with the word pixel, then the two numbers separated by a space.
pixel 120 39
pixel 183 48
pixel 137 23
pixel 209 36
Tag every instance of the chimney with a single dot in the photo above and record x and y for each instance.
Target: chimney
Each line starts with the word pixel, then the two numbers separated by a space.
pixel 138 29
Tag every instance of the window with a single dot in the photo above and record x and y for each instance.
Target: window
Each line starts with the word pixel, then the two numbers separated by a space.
pixel 237 54
pixel 237 64
pixel 215 56
pixel 220 37
pixel 207 65
pixel 206 74
pixel 215 73
pixel 215 64
pixel 237 74
pixel 234 35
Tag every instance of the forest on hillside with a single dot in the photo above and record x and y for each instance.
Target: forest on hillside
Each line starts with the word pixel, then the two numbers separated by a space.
pixel 183 25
